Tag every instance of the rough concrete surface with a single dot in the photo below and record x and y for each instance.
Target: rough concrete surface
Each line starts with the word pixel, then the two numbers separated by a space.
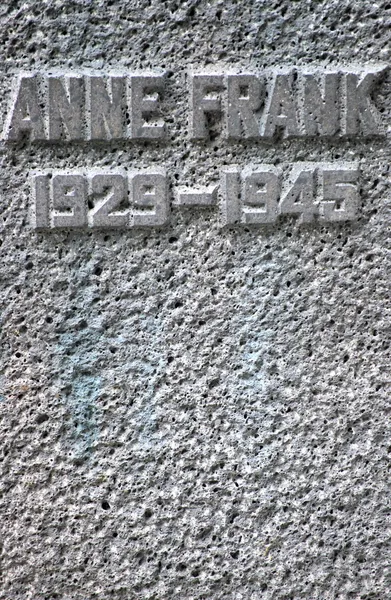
pixel 195 412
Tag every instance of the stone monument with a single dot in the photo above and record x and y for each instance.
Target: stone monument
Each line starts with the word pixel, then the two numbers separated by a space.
pixel 195 300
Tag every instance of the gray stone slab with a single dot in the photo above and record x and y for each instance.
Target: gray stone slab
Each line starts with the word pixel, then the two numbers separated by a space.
pixel 195 300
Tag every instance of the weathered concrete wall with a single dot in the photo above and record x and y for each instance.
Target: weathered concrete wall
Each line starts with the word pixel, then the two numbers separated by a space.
pixel 195 412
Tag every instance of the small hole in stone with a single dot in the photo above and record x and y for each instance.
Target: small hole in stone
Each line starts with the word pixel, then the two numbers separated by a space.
pixel 41 419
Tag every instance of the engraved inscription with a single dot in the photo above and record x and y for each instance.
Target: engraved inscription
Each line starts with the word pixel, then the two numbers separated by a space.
pixel 144 107
pixel 257 195
pixel 294 102
pixel 281 108
pixel 149 198
pixel 253 195
pixel 109 191
pixel 205 102
pixel 298 198
pixel 261 191
pixel 360 113
pixel 265 105
pixel 320 103
pixel 106 108
pixel 70 107
pixel 25 117
pixel 66 108
pixel 97 199
pixel 245 95
pixel 339 192
pixel 69 200
pixel 200 197
pixel 41 200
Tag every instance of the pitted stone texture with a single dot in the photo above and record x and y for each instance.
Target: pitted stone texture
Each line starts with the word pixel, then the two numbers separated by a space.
pixel 194 413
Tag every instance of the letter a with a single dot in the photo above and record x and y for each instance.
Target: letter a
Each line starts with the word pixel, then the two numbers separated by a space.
pixel 25 115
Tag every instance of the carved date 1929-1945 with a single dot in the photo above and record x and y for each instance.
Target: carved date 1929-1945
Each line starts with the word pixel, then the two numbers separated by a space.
pixel 254 195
